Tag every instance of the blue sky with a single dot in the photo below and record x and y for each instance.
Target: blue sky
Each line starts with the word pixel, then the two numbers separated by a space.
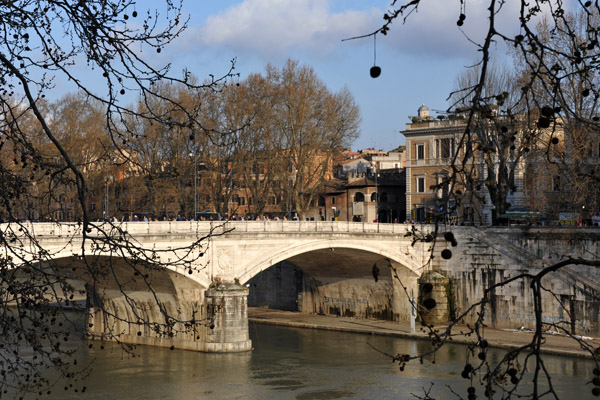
pixel 419 59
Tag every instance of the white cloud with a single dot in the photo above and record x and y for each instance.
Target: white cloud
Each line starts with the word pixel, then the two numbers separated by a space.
pixel 274 27
pixel 432 29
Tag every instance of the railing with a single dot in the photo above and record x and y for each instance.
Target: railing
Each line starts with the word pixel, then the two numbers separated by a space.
pixel 69 229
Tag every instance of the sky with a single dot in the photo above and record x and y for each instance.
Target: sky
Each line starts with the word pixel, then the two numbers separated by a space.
pixel 419 58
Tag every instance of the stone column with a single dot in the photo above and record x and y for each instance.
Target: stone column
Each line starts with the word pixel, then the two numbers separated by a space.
pixel 227 311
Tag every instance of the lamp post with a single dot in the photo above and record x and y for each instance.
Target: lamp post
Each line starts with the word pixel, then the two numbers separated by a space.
pixel 106 217
pixel 376 193
pixel 230 202
pixel 195 155
pixel 106 195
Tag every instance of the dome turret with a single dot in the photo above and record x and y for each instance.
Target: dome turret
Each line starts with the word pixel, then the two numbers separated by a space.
pixel 423 111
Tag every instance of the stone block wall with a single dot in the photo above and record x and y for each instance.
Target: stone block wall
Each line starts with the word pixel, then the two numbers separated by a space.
pixel 277 287
pixel 227 311
pixel 485 258
pixel 433 307
pixel 211 321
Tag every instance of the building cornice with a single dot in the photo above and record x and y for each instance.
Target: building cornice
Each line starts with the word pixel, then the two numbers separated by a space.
pixel 434 131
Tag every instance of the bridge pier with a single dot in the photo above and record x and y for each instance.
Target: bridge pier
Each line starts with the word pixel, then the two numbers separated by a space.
pixel 433 298
pixel 220 313
pixel 227 308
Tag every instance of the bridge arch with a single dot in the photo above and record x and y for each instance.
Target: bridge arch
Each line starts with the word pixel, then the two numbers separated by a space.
pixel 368 254
pixel 129 300
pixel 342 277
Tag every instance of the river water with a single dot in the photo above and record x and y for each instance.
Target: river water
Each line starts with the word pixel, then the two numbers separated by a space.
pixel 302 364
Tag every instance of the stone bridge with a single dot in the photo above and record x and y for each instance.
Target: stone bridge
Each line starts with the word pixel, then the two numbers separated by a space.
pixel 315 267
pixel 344 268
pixel 237 251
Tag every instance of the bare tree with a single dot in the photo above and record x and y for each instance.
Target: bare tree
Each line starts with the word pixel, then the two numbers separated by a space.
pixel 260 151
pixel 42 161
pixel 564 87
pixel 285 127
pixel 312 123
pixel 500 136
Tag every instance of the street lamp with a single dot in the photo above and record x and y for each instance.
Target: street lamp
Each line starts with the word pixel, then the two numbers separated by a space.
pixel 376 193
pixel 195 155
pixel 289 207
pixel 106 196
pixel 106 217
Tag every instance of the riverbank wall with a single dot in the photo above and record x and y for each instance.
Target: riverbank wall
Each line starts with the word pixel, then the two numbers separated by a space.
pixel 499 338
pixel 483 258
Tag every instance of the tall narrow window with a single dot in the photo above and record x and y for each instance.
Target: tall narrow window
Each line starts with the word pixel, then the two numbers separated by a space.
pixel 421 184
pixel 445 148
pixel 420 148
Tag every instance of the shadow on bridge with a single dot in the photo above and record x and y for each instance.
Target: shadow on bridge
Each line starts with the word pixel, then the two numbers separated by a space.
pixel 336 281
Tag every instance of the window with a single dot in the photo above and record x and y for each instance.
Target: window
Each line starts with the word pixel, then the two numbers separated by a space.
pixel 420 149
pixel 242 201
pixel 333 200
pixel 374 197
pixel 420 184
pixel 359 197
pixel 446 147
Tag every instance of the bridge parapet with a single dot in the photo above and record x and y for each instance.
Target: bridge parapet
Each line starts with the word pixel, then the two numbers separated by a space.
pixel 64 229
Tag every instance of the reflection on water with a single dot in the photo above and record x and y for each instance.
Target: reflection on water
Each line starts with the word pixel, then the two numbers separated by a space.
pixel 299 364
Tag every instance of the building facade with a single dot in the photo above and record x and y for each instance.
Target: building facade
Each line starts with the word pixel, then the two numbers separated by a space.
pixel 431 148
pixel 372 196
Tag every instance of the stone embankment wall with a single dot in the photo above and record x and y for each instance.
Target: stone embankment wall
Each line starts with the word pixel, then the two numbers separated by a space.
pixel 286 287
pixel 485 257
pixel 277 287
